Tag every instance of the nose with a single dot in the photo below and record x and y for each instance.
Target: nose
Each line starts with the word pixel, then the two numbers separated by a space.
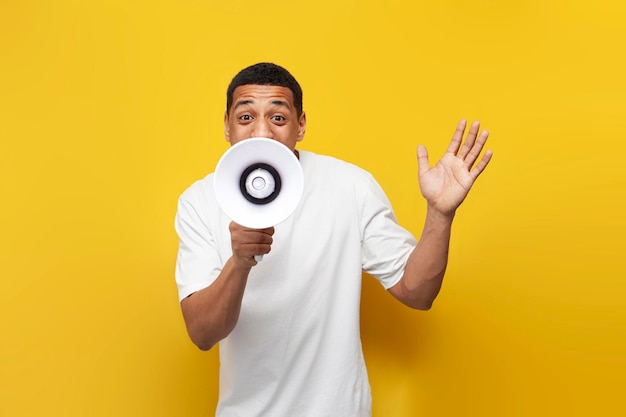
pixel 262 129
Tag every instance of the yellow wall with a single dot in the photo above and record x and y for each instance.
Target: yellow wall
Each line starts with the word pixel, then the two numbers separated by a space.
pixel 109 109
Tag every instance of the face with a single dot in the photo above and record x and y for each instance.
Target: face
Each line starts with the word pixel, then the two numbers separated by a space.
pixel 264 111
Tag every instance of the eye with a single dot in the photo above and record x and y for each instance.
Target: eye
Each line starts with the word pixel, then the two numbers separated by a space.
pixel 245 117
pixel 278 118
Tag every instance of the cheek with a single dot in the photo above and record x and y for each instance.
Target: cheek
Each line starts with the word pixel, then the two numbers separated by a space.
pixel 237 132
pixel 285 133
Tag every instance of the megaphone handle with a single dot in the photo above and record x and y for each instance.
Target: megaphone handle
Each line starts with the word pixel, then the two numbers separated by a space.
pixel 258 258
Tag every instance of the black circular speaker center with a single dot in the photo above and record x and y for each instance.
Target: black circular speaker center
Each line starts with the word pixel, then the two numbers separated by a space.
pixel 269 169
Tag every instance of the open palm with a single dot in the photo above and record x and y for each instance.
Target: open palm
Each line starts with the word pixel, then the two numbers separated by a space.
pixel 446 184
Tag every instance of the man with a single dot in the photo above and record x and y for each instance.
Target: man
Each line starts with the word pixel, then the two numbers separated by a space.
pixel 288 326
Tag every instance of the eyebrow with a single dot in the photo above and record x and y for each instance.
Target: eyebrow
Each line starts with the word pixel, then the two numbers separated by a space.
pixel 281 103
pixel 242 103
pixel 274 102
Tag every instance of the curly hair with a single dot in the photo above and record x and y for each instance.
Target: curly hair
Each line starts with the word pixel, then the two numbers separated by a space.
pixel 265 73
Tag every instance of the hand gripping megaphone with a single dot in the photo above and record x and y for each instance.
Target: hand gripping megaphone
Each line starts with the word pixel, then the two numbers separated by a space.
pixel 258 183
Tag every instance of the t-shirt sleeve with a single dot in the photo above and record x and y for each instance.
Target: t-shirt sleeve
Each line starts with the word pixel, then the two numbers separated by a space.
pixel 198 263
pixel 385 246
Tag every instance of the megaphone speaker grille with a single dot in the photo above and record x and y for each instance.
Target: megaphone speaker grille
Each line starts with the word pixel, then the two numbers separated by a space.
pixel 258 182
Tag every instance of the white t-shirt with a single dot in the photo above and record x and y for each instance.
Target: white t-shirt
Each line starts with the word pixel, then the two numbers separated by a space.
pixel 296 349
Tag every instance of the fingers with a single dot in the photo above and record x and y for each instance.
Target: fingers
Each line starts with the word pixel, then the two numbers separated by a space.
pixel 475 148
pixel 481 165
pixel 455 143
pixel 470 140
pixel 472 147
pixel 246 242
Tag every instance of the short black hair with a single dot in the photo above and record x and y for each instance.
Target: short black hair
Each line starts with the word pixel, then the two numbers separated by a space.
pixel 265 73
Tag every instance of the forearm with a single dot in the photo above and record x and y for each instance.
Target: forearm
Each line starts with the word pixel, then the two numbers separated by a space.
pixel 426 266
pixel 212 313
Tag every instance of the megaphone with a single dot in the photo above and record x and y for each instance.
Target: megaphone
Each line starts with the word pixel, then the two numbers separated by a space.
pixel 258 183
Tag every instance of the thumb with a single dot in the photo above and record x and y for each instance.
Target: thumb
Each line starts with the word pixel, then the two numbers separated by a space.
pixel 422 160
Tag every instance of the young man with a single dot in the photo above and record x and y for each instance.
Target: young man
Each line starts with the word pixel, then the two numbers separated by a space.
pixel 288 326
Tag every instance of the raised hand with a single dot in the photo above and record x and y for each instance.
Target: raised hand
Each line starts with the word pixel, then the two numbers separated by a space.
pixel 446 184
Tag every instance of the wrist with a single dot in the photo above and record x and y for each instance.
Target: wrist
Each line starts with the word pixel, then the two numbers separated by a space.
pixel 439 218
pixel 241 266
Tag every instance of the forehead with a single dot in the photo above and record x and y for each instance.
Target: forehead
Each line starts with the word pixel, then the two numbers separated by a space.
pixel 262 94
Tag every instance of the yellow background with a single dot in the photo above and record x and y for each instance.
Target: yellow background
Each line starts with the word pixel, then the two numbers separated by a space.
pixel 110 109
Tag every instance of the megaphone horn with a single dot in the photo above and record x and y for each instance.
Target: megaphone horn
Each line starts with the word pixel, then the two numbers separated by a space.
pixel 258 182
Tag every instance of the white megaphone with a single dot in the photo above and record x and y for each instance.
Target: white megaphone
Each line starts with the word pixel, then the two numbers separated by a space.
pixel 258 183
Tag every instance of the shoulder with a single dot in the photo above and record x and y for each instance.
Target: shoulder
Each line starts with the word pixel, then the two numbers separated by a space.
pixel 199 198
pixel 340 180
pixel 338 170
pixel 199 190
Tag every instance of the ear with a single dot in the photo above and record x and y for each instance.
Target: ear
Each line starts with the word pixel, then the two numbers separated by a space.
pixel 301 126
pixel 226 130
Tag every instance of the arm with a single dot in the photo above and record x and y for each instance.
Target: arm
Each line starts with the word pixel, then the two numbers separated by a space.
pixel 444 186
pixel 212 313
